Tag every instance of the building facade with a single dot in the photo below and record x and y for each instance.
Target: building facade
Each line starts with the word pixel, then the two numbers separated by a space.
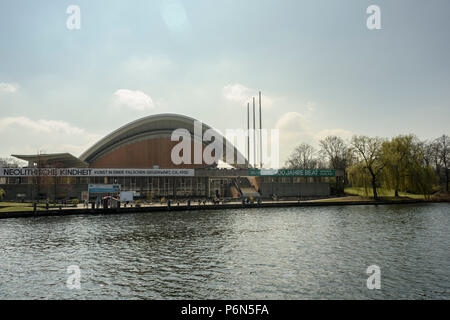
pixel 146 146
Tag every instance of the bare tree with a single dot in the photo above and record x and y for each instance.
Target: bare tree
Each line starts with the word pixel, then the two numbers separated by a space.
pixel 369 153
pixel 443 156
pixel 335 149
pixel 429 153
pixel 303 157
pixel 9 163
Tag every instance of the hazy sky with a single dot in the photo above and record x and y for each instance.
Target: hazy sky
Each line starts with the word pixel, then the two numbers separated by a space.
pixel 321 70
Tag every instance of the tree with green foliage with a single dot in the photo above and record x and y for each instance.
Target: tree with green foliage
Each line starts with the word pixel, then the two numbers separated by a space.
pixel 397 159
pixel 2 194
pixel 369 165
pixel 405 169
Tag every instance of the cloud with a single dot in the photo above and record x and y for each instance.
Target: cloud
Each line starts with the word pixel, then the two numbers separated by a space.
pixel 296 128
pixel 292 121
pixel 24 135
pixel 8 87
pixel 40 126
pixel 236 92
pixel 133 100
pixel 242 94
pixel 296 124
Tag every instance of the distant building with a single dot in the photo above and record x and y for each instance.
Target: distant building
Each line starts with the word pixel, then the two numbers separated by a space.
pixel 137 157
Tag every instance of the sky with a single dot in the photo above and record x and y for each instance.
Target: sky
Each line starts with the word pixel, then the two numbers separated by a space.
pixel 321 70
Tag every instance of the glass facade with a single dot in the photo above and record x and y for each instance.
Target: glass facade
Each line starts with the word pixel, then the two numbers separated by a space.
pixel 148 188
pixel 151 187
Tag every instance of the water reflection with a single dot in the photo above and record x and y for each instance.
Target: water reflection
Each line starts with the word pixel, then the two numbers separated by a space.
pixel 286 253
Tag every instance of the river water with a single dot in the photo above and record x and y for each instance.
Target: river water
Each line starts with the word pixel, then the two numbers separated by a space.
pixel 273 253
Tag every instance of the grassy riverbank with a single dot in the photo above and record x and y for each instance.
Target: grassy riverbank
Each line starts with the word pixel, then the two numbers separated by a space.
pixel 383 193
pixel 19 206
pixel 359 194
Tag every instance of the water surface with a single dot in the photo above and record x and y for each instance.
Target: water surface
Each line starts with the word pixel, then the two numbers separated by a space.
pixel 284 253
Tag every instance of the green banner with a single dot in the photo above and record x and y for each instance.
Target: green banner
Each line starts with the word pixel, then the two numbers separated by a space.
pixel 292 172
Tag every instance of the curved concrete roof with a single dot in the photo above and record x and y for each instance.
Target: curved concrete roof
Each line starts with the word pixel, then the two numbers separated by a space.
pixel 154 126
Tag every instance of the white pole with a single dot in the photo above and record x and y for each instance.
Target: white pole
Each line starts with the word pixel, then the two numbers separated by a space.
pixel 254 135
pixel 260 133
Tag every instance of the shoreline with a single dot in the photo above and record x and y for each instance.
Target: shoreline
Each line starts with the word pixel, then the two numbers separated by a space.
pixel 195 207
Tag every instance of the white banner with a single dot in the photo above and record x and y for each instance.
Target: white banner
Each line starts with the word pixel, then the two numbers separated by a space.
pixel 126 196
pixel 91 172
